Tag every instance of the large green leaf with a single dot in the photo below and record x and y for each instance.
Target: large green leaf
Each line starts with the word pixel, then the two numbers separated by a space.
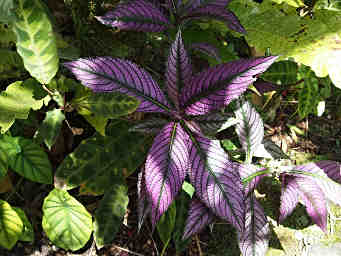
pixel 11 108
pixel 110 213
pixel 3 162
pixel 97 159
pixel 282 73
pixel 313 42
pixel 66 221
pixel 10 64
pixel 11 225
pixel 36 42
pixel 27 234
pixel 50 127
pixel 27 159
pixel 7 11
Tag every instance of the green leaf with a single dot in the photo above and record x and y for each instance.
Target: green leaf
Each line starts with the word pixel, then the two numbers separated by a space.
pixel 11 225
pixel 27 234
pixel 96 159
pixel 98 122
pixel 282 73
pixel 7 11
pixel 11 108
pixel 27 159
pixel 308 96
pixel 312 42
pixel 50 128
pixel 110 213
pixel 11 65
pixel 109 105
pixel 3 162
pixel 166 224
pixel 36 42
pixel 66 221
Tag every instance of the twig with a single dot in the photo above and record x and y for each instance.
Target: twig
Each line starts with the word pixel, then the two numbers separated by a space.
pixel 128 251
pixel 198 245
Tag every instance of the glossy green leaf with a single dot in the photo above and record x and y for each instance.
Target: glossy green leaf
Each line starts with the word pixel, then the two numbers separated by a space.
pixel 36 42
pixel 7 11
pixel 281 73
pixel 66 221
pixel 50 128
pixel 27 234
pixel 11 225
pixel 166 224
pixel 98 122
pixel 312 42
pixel 3 162
pixel 110 213
pixel 11 108
pixel 96 159
pixel 27 159
pixel 108 105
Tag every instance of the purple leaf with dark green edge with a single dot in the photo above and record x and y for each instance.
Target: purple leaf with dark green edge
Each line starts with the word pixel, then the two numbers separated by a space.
pixel 106 74
pixel 178 70
pixel 217 13
pixel 263 86
pixel 314 200
pixel 215 181
pixel 331 168
pixel 151 126
pixel 166 168
pixel 247 171
pixel 330 188
pixel 218 86
pixel 198 217
pixel 138 15
pixel 289 196
pixel 250 129
pixel 207 49
pixel 194 4
pixel 213 123
pixel 254 239
pixel 143 206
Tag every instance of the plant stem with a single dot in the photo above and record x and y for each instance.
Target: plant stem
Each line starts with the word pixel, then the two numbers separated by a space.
pixel 165 247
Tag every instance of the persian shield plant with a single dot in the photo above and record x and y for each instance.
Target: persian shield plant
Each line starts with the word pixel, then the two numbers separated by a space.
pixel 188 106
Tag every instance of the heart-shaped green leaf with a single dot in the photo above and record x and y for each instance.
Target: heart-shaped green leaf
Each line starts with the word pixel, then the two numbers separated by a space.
pixel 27 234
pixel 66 221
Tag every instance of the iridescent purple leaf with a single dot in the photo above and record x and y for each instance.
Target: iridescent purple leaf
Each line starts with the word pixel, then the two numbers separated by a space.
pixel 178 70
pixel 207 49
pixel 250 129
pixel 213 123
pixel 143 206
pixel 247 171
pixel 106 74
pixel 166 168
pixel 314 200
pixel 136 15
pixel 215 181
pixel 218 13
pixel 289 197
pixel 218 86
pixel 263 86
pixel 331 168
pixel 194 4
pixel 151 126
pixel 198 217
pixel 254 239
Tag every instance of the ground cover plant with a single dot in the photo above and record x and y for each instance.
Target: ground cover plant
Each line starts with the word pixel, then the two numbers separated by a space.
pixel 165 115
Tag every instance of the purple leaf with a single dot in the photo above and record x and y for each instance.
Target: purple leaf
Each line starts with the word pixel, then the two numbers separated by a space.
pixel 289 196
pixel 166 168
pixel 219 13
pixel 269 149
pixel 143 206
pixel 198 217
pixel 254 239
pixel 105 74
pixel 218 86
pixel 136 15
pixel 194 4
pixel 215 181
pixel 179 69
pixel 250 129
pixel 331 168
pixel 207 49
pixel 314 200
pixel 152 126
pixel 263 86
pixel 246 171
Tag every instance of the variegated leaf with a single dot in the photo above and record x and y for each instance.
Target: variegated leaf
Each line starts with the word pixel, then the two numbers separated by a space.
pixel 331 168
pixel 207 49
pixel 165 168
pixel 152 126
pixel 143 206
pixel 289 197
pixel 251 172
